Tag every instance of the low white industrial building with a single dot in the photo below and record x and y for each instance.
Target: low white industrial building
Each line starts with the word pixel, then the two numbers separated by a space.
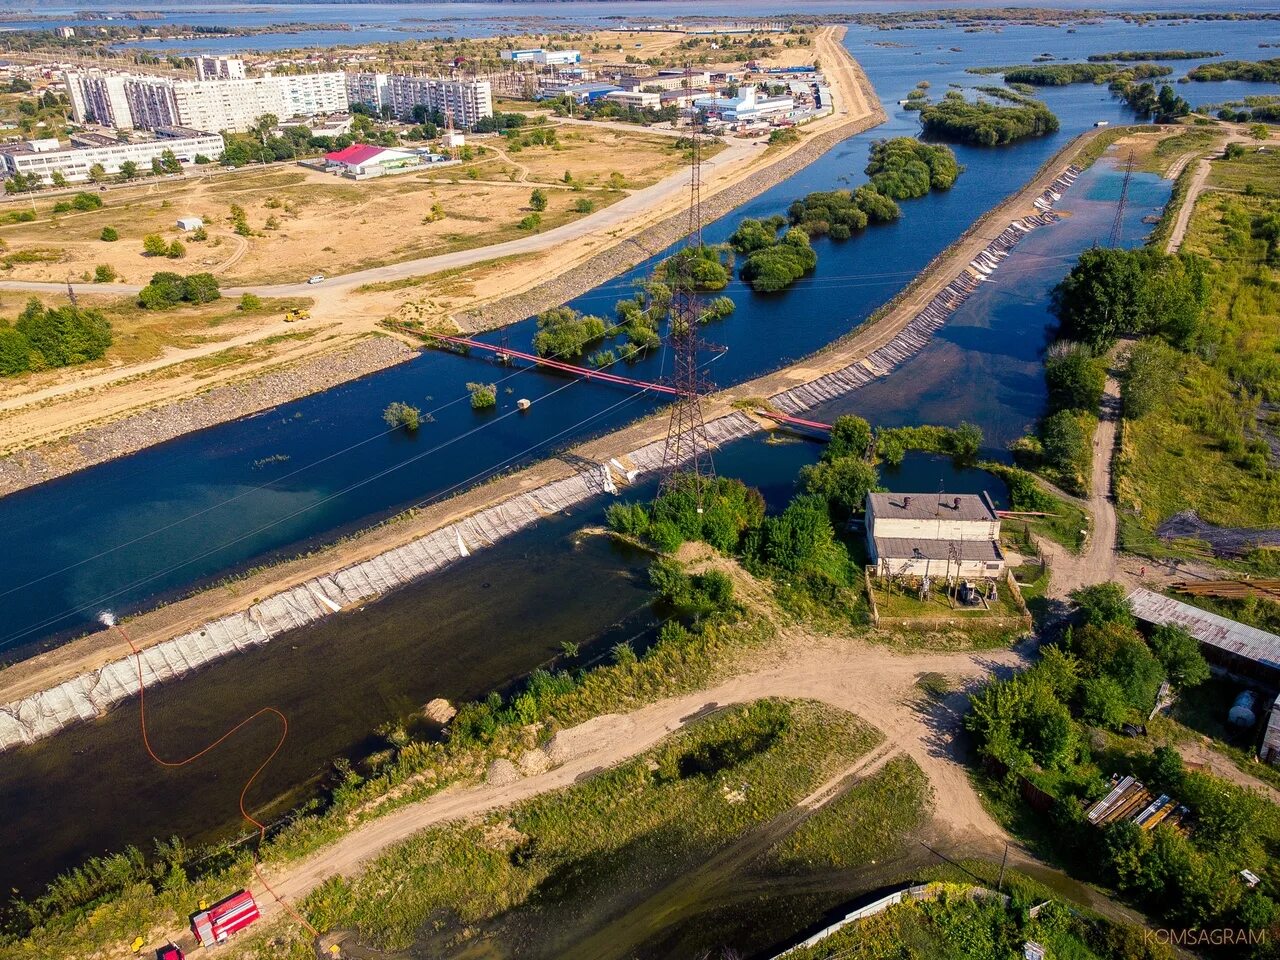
pixel 43 158
pixel 637 99
pixel 934 535
pixel 749 106
pixel 543 58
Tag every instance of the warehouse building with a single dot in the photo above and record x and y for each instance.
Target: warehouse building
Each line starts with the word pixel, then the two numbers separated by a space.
pixel 543 58
pixel 934 535
pixel 43 158
pixel 748 107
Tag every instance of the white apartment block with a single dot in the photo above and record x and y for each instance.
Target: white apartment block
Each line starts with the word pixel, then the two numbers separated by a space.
pixel 99 97
pixel 371 89
pixel 43 157
pixel 219 68
pixel 127 101
pixel 467 101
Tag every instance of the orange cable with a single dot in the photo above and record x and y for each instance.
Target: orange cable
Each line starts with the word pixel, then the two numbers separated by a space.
pixel 261 827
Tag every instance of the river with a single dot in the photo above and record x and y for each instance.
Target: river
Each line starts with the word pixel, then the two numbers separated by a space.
pixel 484 624
pixel 132 532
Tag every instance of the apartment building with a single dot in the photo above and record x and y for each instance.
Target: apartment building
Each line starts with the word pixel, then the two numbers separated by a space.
pixel 219 68
pixel 371 89
pixel 467 101
pixel 43 158
pixel 99 97
pixel 127 101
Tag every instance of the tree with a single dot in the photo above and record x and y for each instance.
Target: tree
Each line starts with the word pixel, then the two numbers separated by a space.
pixel 402 415
pixel 1075 379
pixel 157 168
pixel 483 395
pixel 128 170
pixel 249 301
pixel 530 222
pixel 1179 653
pixel 97 173
pixel 801 536
pixel 843 482
pixel 583 205
pixel 1103 702
pixel 65 335
pixel 850 437
pixel 264 125
pixel 176 250
pixel 169 162
pixel 109 234
pixel 200 288
pixel 1066 444
pixel 58 178
pixel 104 273
pixel 1150 373
pixel 153 245
pixel 538 200
pixel 15 351
pixel 1103 603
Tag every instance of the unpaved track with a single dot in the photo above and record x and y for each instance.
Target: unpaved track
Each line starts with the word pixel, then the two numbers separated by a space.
pixel 873 682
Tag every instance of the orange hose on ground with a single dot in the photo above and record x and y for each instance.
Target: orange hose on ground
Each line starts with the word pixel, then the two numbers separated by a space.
pixel 261 827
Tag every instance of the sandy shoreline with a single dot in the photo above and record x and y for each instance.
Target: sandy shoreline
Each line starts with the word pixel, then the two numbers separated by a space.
pixel 94 651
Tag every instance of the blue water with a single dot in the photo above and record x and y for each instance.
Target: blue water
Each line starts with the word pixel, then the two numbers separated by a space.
pixel 132 532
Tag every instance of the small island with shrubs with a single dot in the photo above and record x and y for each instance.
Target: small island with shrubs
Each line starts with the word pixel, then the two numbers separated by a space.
pixel 986 124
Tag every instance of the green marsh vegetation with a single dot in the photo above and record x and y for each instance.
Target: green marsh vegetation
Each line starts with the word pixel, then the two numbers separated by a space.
pixel 1199 390
pixel 959 926
pixel 1063 74
pixel 1251 71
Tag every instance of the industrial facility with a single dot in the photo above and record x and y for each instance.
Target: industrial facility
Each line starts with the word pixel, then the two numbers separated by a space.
pixel 934 535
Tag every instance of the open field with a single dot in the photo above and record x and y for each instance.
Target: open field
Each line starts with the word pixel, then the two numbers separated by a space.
pixel 302 221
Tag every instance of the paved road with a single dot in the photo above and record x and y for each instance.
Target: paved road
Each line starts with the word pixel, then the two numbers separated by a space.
pixel 641 202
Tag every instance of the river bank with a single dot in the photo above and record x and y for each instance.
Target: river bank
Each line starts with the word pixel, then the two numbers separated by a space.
pixel 67 684
pixel 230 401
pixel 569 261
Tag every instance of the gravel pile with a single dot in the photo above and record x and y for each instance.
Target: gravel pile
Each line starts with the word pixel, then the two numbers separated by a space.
pixel 131 434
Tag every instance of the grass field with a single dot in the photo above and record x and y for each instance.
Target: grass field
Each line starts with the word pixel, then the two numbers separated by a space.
pixel 1210 447
pixel 642 824
pixel 275 226
pixel 868 824
pixel 1257 170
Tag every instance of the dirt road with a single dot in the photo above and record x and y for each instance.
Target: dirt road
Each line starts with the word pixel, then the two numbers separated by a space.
pixel 873 682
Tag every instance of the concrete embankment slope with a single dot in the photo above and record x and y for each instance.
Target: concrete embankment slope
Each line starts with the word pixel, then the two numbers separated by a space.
pixel 86 678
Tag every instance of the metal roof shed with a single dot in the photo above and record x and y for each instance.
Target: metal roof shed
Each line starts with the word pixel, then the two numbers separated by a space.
pixel 1235 646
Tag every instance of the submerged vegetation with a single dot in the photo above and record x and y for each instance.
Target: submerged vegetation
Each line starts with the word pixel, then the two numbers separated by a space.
pixel 986 124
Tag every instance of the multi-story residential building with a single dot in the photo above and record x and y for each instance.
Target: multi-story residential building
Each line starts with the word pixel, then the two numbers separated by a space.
pixel 467 101
pixel 371 89
pixel 43 158
pixel 219 68
pixel 126 101
pixel 99 97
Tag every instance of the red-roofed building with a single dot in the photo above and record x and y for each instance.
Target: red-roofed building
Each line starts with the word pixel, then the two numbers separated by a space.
pixel 362 160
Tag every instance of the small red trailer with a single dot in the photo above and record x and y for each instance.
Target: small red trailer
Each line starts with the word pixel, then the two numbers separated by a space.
pixel 224 918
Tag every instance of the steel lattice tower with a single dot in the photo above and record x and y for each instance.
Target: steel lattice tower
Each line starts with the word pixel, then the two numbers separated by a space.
pixel 1117 225
pixel 688 450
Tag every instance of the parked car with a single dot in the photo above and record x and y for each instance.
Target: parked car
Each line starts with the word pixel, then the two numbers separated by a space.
pixel 318 278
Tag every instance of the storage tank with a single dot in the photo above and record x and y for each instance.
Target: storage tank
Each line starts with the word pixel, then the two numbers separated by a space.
pixel 1242 714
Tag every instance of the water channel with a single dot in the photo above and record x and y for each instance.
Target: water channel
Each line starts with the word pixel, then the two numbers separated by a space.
pixel 484 624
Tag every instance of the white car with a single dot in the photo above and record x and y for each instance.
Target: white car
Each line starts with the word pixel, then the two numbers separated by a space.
pixel 318 278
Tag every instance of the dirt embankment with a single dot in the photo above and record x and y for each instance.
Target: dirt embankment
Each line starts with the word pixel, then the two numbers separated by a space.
pixel 26 468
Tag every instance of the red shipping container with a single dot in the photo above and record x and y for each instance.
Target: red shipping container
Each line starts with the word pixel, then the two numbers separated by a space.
pixel 224 918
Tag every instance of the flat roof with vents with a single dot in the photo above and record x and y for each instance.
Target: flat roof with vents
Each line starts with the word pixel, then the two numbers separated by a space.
pixel 927 506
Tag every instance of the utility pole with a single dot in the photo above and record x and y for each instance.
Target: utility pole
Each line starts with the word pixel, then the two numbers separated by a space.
pixel 688 451
pixel 1117 225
